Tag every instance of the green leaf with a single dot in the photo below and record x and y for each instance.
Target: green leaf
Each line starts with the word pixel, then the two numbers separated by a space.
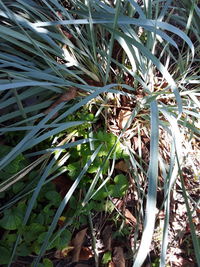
pixel 120 153
pixel 32 231
pixel 36 247
pixel 54 197
pixel 14 165
pixel 120 179
pixel 64 239
pixel 4 255
pixel 10 239
pixel 12 219
pixel 24 250
pixel 47 262
pixel 101 194
pixel 48 210
pixel 96 206
pixel 94 166
pixel 108 140
pixel 41 237
pixel 106 257
pixel 120 186
pixel 73 169
pixel 40 219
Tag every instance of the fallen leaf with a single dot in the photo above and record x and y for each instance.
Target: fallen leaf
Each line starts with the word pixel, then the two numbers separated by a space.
pixel 106 237
pixel 85 254
pixel 77 243
pixel 135 142
pixel 62 184
pixel 122 166
pixel 123 118
pixel 130 219
pixel 118 257
pixel 71 94
pixel 67 34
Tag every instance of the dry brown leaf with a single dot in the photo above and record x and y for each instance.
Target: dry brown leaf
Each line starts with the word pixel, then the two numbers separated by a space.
pixel 122 166
pixel 85 254
pixel 123 118
pixel 130 218
pixel 62 185
pixel 106 237
pixel 118 257
pixel 135 142
pixel 71 94
pixel 77 243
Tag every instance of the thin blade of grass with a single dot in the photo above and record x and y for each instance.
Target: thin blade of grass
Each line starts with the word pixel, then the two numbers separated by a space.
pixel 115 22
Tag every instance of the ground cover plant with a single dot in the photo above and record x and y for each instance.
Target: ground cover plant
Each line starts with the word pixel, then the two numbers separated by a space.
pixel 100 127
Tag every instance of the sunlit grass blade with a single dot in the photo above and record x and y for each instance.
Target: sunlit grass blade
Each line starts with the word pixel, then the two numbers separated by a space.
pixel 150 215
pixel 54 149
pixel 24 84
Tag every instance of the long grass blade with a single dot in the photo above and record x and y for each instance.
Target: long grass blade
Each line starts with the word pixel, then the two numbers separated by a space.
pixel 152 190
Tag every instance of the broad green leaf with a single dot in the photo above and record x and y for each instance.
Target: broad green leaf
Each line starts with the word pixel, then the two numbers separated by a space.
pixel 23 250
pixel 54 197
pixel 11 220
pixel 107 257
pixel 5 254
pixel 119 188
